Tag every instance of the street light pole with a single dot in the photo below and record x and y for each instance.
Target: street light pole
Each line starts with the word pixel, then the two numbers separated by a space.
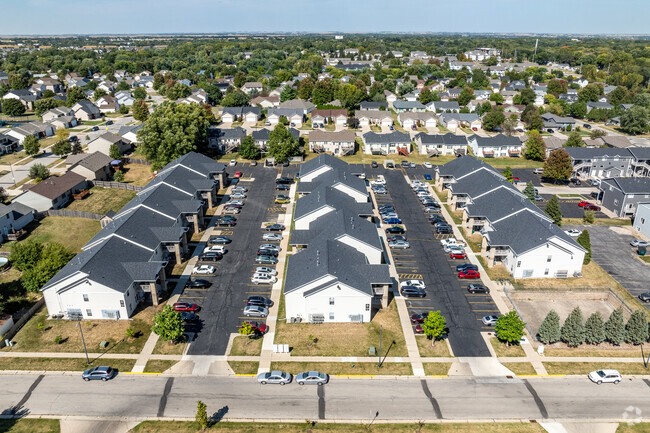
pixel 83 341
pixel 380 332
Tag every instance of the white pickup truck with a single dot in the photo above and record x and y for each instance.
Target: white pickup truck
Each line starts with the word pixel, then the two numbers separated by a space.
pixel 452 241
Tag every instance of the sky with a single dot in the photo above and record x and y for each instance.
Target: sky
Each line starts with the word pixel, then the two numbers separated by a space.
pixel 52 17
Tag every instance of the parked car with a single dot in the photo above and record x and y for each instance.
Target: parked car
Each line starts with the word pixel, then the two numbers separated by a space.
pixel 538 198
pixel 379 181
pixel 214 249
pixel 282 187
pixel 259 300
pixel 399 245
pixel 210 257
pixel 588 126
pixel 477 288
pixel 418 318
pixel 592 207
pixel 379 190
pixel 284 180
pixel 186 306
pixel 412 292
pixel 258 327
pixel 427 176
pixel 266 270
pixel 431 209
pixel 275 228
pixel 255 311
pixel 237 195
pixel 272 237
pixel 98 373
pixel 215 240
pixel 392 221
pixel 466 267
pixel 393 238
pixel 639 243
pixel 583 203
pixel 94 128
pixel 263 279
pixel 605 376
pixel 198 284
pixel 418 329
pixel 221 222
pixel 189 317
pixel 275 247
pixel 395 230
pixel 412 164
pixel 469 274
pixel 575 181
pixel 267 252
pixel 413 283
pixel 374 164
pixel 489 320
pixel 457 254
pixel 312 378
pixel 428 165
pixel 240 188
pixel 538 171
pixel 232 210
pixel 203 270
pixel 281 200
pixel 645 297
pixel 452 241
pixel 446 229
pixel 266 260
pixel 274 377
pixel 234 202
pixel 572 232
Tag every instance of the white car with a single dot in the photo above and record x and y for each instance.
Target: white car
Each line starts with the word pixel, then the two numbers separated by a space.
pixel 230 210
pixel 538 171
pixel 453 247
pixel 265 270
pixel 452 241
pixel 379 181
pixel 605 376
pixel 428 165
pixel 639 243
pixel 237 195
pixel 203 270
pixel 489 320
pixel 215 249
pixel 259 278
pixel 572 232
pixel 272 237
pixel 417 184
pixel 234 203
pixel 233 162
pixel 413 283
pixel 273 247
pixel 240 189
pixel 361 175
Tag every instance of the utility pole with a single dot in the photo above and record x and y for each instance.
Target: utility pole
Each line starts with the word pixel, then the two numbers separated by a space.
pixel 78 325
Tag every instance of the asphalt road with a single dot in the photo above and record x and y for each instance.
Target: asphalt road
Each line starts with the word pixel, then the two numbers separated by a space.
pixel 136 397
pixel 426 260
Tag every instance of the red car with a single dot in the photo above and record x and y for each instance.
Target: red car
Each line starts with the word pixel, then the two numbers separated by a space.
pixel 457 255
pixel 238 174
pixel 584 203
pixel 469 274
pixel 419 330
pixel 419 318
pixel 591 207
pixel 258 328
pixel 185 306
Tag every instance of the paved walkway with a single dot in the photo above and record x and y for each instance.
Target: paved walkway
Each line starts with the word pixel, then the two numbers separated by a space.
pixel 145 354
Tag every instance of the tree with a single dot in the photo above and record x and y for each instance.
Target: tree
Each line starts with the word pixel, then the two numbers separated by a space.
pixel 434 326
pixel 575 140
pixel 118 176
pixel 556 87
pixel 553 210
pixel 43 105
pixel 497 97
pixel 18 81
pixel 323 92
pixel 240 79
pixel 76 147
pixel 615 328
pixel 74 95
pixel 426 96
pixel 527 96
pixel 13 107
pixel 590 93
pixel 246 329
pixel 202 415
pixel 39 171
pixel 168 324
pixel 585 242
pixel 558 165
pixel 61 148
pixel 122 85
pixel 573 331
pixel 350 95
pixel 493 119
pixel 510 328
pixel 140 93
pixel 595 329
pixel 549 330
pixel 248 150
pixel 140 110
pixel 535 147
pixel 405 87
pixel 173 130
pixel 288 93
pixel 53 257
pixel 179 90
pixel 578 110
pixel 115 153
pixel 635 120
pixel 529 191
pixel 507 172
pixel 235 99
pixel 509 125
pixel 282 145
pixel 124 109
pixel 25 255
pixel 597 133
pixel 589 217
pixel 636 330
pixel 99 93
pixel 31 145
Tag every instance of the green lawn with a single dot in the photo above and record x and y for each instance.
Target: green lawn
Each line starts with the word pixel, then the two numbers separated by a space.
pixel 63 364
pixel 503 350
pixel 158 365
pixel 244 367
pixel 345 368
pixel 12 158
pixel 72 233
pixel 587 367
pixel 101 200
pixel 30 425
pixel 436 368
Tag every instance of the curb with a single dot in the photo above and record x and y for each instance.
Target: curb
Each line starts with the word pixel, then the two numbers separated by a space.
pixel 132 372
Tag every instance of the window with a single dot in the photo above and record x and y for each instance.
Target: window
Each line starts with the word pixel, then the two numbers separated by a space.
pixel 331 316
pixel 519 263
pixel 367 307
pixel 121 303
pixel 546 271
pixel 331 301
pixel 85 298
pixel 127 293
pixel 89 313
pixel 642 220
pixel 548 259
pixel 615 202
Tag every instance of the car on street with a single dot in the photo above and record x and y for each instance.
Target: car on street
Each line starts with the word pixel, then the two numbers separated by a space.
pixel 489 320
pixel 397 230
pixel 98 373
pixel 413 283
pixel 588 126
pixel 605 376
pixel 203 270
pixel 198 284
pixel 399 245
pixel 312 378
pixel 259 300
pixel 466 267
pixel 392 221
pixel 272 237
pixel 275 228
pixel 592 207
pixel 94 128
pixel 216 240
pixel 645 297
pixel 412 292
pixel 477 288
pixel 215 249
pixel 276 377
pixel 266 260
pixel 419 317
pixel 572 232
pixel 211 257
pixel 469 274
pixel 255 311
pixel 428 165
pixel 223 222
pixel 639 243
pixel 188 316
pixel 267 252
pixel 259 328
pixel 275 247
pixel 259 278
pixel 393 238
pixel 457 254
pixel 186 306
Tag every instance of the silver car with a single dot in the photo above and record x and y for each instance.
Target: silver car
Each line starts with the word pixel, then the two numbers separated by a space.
pixel 255 311
pixel 273 247
pixel 280 377
pixel 272 236
pixel 238 195
pixel 312 378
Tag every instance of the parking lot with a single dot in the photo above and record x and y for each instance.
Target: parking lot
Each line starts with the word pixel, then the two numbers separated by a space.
pixel 569 207
pixel 426 260
pixel 222 304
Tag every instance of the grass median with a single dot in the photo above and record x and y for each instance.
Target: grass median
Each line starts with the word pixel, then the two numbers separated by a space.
pixel 587 367
pixel 346 368
pixel 30 425
pixel 63 364
pixel 503 350
pixel 439 349
pixel 244 367
pixel 520 368
pixel 158 365
pixel 436 368
pixel 246 346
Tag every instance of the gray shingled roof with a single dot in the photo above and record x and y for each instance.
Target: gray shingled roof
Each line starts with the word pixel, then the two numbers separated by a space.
pixel 581 153
pixel 264 134
pixel 447 138
pixel 337 224
pixel 327 196
pixel 459 167
pixel 198 162
pixel 392 137
pixel 332 178
pixel 496 141
pixel 408 105
pixel 479 183
pixel 93 162
pixel 501 203
pixel 629 185
pixel 183 179
pixel 164 199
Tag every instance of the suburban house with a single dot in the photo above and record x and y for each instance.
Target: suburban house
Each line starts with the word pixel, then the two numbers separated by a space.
pixel 130 133
pixel 328 170
pixel 92 166
pixel 325 199
pixel 225 139
pixel 411 119
pixel 497 146
pixel 390 97
pixel 25 96
pixel 86 110
pixel 14 217
pixel 53 192
pixel 435 145
pixel 295 116
pixel 602 162
pixel 642 218
pixel 459 168
pixel 124 97
pixel 453 121
pixel 338 143
pixel 252 87
pixel 261 137
pixel 198 96
pixel 265 101
pixel 374 117
pixel 64 122
pixel 621 195
pixel 339 117
pixel 372 105
pixel 8 144
pixel 400 106
pixel 555 122
pixel 443 106
pixel 50 84
pixel 240 114
pixel 385 144
pixel 599 105
pixel 36 129
pixel 107 104
pixel 57 112
pixel 298 104
pixel 104 142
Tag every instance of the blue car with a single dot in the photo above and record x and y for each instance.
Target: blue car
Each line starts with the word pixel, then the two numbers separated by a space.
pixel 98 373
pixel 427 176
pixel 392 221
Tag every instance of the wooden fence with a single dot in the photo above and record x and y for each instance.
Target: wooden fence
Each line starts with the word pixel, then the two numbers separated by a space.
pixel 117 185
pixel 19 324
pixel 73 213
pixel 136 161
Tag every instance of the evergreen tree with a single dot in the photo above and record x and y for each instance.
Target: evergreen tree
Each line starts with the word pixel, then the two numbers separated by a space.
pixel 636 330
pixel 595 329
pixel 585 242
pixel 615 328
pixel 140 110
pixel 549 330
pixel 575 140
pixel 287 94
pixel 553 210
pixel 115 153
pixel 529 191
pixel 61 148
pixel 573 331
pixel 535 147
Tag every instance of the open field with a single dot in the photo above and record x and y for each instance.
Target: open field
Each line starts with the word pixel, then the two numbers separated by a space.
pixel 101 200
pixel 137 174
pixel 345 368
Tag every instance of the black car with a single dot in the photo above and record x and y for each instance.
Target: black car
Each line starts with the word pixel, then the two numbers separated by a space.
pixel 374 164
pixel 188 316
pixel 199 284
pixel 109 122
pixel 282 187
pixel 645 297
pixel 228 217
pixel 259 300
pixel 466 267
pixel 575 181
pixel 265 252
pixel 588 126
pixel 477 288
pixel 285 163
pixel 94 128
pixel 225 222
pixel 444 230
pixel 413 292
pixel 395 230
pixel 275 228
pixel 210 257
pixel 283 180
pixel 219 240
pixel 405 164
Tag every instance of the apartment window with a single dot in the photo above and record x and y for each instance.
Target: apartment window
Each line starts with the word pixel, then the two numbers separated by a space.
pixel 121 303
pixel 89 313
pixel 85 298
pixel 367 307
pixel 519 263
pixel 546 271
pixel 331 316
pixel 331 301
pixel 548 259
pixel 127 293
pixel 642 220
